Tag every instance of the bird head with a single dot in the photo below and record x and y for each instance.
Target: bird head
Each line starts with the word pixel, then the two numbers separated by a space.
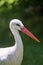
pixel 18 25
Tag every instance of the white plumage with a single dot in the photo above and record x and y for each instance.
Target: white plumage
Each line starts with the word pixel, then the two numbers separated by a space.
pixel 14 55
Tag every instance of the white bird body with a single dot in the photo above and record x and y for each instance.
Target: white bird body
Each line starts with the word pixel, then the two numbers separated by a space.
pixel 14 55
pixel 11 56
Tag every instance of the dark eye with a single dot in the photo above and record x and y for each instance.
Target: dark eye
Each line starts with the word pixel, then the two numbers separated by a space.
pixel 18 25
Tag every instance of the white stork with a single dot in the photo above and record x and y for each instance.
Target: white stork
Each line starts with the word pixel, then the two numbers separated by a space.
pixel 13 55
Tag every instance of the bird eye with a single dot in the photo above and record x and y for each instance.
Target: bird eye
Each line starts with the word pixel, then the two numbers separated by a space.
pixel 18 25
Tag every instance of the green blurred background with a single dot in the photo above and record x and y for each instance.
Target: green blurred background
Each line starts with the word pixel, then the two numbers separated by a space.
pixel 30 12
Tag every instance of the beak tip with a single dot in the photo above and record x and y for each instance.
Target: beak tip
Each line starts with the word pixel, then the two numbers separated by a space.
pixel 38 41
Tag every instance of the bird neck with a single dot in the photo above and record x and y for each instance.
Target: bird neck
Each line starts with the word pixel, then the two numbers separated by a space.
pixel 17 37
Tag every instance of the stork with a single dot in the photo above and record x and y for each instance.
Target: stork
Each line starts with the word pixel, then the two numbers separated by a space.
pixel 13 55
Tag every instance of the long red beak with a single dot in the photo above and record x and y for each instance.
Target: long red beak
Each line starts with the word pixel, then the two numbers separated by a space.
pixel 27 32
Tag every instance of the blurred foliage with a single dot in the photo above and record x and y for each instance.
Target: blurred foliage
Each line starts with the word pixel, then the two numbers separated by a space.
pixel 31 13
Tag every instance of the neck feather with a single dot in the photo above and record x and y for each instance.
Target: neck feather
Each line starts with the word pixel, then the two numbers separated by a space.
pixel 17 36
